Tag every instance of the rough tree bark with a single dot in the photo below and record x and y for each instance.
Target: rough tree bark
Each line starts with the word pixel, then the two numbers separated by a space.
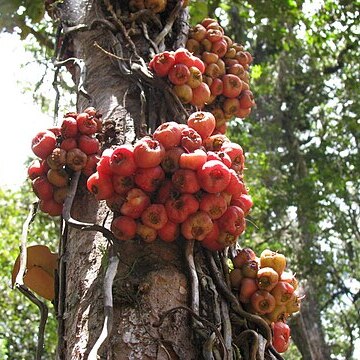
pixel 306 329
pixel 152 280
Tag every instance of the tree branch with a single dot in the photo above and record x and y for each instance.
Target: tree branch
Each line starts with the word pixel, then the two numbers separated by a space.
pixel 340 63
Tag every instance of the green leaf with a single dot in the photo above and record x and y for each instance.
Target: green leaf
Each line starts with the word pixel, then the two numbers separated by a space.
pixel 35 10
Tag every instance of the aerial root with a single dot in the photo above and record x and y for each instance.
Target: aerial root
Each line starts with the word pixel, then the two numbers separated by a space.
pixel 248 342
pixel 201 321
pixel 111 271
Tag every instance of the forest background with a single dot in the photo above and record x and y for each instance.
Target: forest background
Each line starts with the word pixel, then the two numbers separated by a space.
pixel 301 143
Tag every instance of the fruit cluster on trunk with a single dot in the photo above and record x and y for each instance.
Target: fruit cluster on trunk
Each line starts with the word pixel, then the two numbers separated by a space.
pixel 266 289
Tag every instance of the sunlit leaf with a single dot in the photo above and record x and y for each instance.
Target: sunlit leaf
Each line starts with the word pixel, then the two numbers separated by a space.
pixel 40 267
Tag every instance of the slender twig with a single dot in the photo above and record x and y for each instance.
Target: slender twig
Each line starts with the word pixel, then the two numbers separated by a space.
pixel 248 219
pixel 43 318
pixel 19 280
pixel 76 28
pixel 57 96
pixel 165 350
pixel 109 53
pixel 108 24
pixel 169 93
pixel 69 220
pixel 60 43
pixel 123 63
pixel 141 125
pixel 66 215
pixel 108 303
pixel 83 72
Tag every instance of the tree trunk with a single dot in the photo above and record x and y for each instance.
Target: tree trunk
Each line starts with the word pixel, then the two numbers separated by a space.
pixel 150 278
pixel 306 329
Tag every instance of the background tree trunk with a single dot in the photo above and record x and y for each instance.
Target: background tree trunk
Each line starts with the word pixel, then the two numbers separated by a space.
pixel 306 331
pixel 306 327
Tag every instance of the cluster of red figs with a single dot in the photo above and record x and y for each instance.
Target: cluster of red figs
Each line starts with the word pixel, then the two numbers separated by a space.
pixel 226 71
pixel 181 180
pixel 184 72
pixel 267 289
pixel 211 73
pixel 60 152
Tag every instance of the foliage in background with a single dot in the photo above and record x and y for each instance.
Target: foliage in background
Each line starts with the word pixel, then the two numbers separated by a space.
pixel 303 150
pixel 28 20
pixel 20 318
